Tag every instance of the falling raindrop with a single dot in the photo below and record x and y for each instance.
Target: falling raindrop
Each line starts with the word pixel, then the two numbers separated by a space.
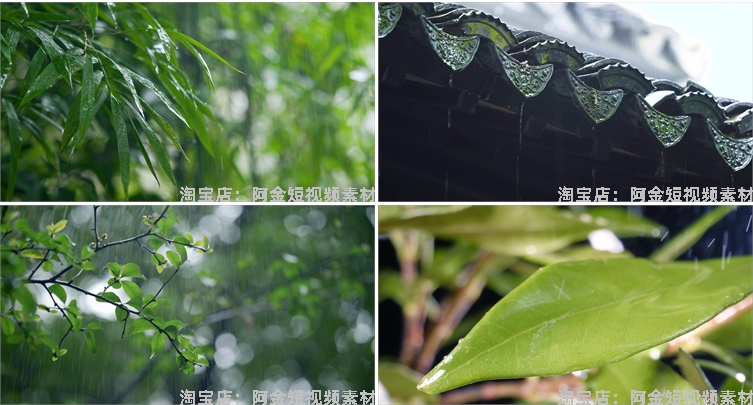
pixel 449 116
pixel 450 80
pixel 520 127
pixel 662 165
pixel 446 183
pixel 517 177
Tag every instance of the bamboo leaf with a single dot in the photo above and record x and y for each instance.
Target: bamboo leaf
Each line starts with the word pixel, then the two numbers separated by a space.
pixel 184 37
pixel 12 40
pixel 33 71
pixel 14 133
pixel 151 86
pixel 154 142
pixel 87 100
pixel 121 135
pixel 197 55
pixel 166 127
pixel 579 315
pixel 92 13
pixel 55 53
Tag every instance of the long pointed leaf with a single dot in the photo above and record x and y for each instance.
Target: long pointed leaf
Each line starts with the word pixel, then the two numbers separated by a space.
pixel 33 71
pixel 14 132
pixel 151 86
pixel 144 153
pixel 92 13
pixel 36 131
pixel 87 100
pixel 167 128
pixel 13 34
pixel 579 315
pixel 199 45
pixel 124 152
pixel 54 52
pixel 197 55
pixel 161 33
pixel 50 75
pixel 154 142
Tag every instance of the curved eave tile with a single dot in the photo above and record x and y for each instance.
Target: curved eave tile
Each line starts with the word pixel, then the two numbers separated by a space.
pixel 596 104
pixel 455 52
pixel 737 153
pixel 389 15
pixel 529 80
pixel 668 129
pixel 482 24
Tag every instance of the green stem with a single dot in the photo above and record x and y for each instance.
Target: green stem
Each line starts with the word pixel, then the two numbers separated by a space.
pixel 690 235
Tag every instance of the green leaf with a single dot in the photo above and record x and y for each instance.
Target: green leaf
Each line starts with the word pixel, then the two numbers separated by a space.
pixel 639 373
pixel 12 40
pixel 140 325
pixel 91 341
pixel 183 37
pixel 154 24
pixel 25 297
pixel 58 290
pixel 692 371
pixel 33 254
pixel 167 128
pixel 87 100
pixel 62 352
pixel 158 343
pixel 59 226
pixel 183 341
pixel 86 253
pixel 132 270
pixel 202 62
pixel 110 296
pixel 175 322
pixel 54 51
pixel 94 326
pixel 151 86
pixel 14 133
pixel 134 293
pixel 8 326
pixel 521 230
pixel 120 314
pixel 33 72
pixel 400 382
pixel 174 258
pixel 147 159
pixel 92 12
pixel 188 368
pixel 155 143
pixel 203 361
pixel 47 266
pixel 580 315
pixel 114 268
pixel 690 235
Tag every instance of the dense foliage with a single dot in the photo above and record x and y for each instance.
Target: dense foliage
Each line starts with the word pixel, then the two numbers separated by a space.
pixel 518 294
pixel 284 302
pixel 114 101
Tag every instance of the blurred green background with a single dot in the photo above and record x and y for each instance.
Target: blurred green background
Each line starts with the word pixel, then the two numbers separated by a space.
pixel 301 115
pixel 285 301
